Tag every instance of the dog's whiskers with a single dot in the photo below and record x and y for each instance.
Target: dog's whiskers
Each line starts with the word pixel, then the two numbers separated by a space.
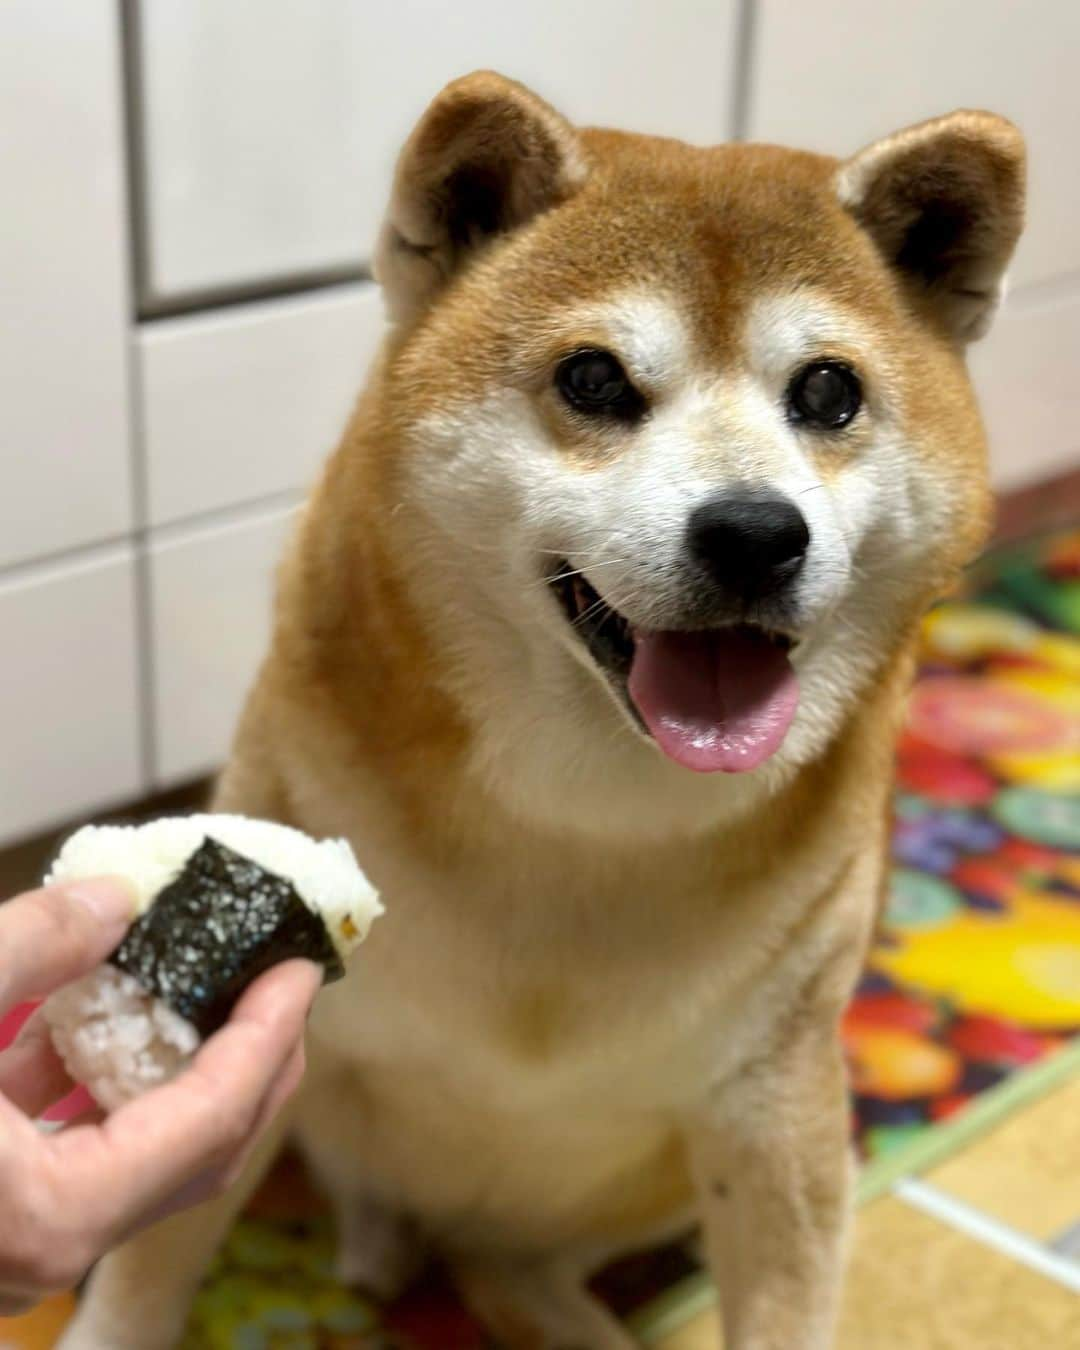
pixel 580 571
pixel 614 603
pixel 597 605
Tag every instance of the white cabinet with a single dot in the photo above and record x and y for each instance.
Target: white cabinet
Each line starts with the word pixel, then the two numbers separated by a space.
pixel 64 451
pixel 270 127
pixel 836 74
pixel 246 402
pixel 69 702
pixel 210 595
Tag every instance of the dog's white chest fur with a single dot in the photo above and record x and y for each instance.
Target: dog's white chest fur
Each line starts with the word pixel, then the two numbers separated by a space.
pixel 573 1043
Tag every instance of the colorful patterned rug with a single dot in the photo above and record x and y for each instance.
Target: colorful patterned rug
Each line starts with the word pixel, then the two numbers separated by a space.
pixel 968 1005
pixel 976 972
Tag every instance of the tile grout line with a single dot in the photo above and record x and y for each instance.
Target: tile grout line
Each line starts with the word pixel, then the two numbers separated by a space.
pixel 989 1231
pixel 143 583
pixel 45 566
pixel 48 566
pixel 135 160
pixel 741 90
pixel 291 286
pixel 138 237
pixel 249 512
pixel 1067 1242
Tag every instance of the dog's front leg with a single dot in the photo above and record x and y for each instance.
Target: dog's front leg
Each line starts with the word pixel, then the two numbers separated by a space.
pixel 539 1304
pixel 772 1164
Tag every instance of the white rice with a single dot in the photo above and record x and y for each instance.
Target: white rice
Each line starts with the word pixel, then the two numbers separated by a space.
pixel 120 1041
pixel 114 1038
pixel 325 873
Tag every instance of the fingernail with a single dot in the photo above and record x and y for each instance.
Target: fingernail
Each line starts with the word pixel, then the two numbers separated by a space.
pixel 111 900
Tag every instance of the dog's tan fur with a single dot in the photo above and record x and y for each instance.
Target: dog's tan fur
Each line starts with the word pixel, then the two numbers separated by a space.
pixel 604 985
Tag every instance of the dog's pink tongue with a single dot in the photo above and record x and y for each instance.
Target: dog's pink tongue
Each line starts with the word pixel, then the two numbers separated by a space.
pixel 716 701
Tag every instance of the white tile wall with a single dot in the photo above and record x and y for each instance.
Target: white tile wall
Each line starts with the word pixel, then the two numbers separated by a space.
pixel 64 452
pixel 269 143
pixel 247 401
pixel 69 710
pixel 210 593
pixel 836 74
pixel 1028 379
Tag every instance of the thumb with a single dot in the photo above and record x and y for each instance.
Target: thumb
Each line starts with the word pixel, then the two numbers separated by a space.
pixel 53 935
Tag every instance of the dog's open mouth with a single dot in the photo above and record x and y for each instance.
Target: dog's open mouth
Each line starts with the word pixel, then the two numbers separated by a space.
pixel 714 700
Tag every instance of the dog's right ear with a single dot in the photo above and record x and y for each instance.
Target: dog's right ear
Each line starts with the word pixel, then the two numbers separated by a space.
pixel 487 156
pixel 944 203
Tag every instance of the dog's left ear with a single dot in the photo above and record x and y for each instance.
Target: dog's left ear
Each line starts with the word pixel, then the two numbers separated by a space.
pixel 944 202
pixel 487 156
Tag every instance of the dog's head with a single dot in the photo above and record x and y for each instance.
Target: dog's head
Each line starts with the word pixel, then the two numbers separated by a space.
pixel 685 435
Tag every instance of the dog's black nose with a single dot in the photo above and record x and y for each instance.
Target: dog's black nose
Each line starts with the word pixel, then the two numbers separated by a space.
pixel 749 543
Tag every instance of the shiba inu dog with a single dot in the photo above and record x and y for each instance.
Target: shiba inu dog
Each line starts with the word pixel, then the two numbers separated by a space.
pixel 592 639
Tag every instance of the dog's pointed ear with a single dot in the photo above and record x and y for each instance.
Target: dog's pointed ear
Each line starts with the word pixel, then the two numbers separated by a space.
pixel 944 203
pixel 486 157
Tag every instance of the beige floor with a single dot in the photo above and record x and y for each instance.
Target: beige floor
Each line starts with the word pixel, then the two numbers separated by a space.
pixel 916 1283
pixel 1027 1173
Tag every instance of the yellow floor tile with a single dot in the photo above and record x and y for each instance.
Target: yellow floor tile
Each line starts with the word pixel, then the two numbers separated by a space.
pixel 915 1284
pixel 700 1334
pixel 38 1330
pixel 1025 1172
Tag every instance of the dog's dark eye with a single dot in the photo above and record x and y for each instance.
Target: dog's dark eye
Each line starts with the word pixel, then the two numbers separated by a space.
pixel 826 394
pixel 595 382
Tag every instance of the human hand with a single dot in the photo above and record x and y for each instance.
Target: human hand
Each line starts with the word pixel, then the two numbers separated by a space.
pixel 68 1196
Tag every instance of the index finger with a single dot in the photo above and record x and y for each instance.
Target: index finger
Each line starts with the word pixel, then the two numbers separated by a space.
pixel 153 1145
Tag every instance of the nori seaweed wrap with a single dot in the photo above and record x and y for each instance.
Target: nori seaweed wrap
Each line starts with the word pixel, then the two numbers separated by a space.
pixel 215 929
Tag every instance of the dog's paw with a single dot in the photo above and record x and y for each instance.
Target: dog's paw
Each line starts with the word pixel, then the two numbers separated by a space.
pixel 378 1253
